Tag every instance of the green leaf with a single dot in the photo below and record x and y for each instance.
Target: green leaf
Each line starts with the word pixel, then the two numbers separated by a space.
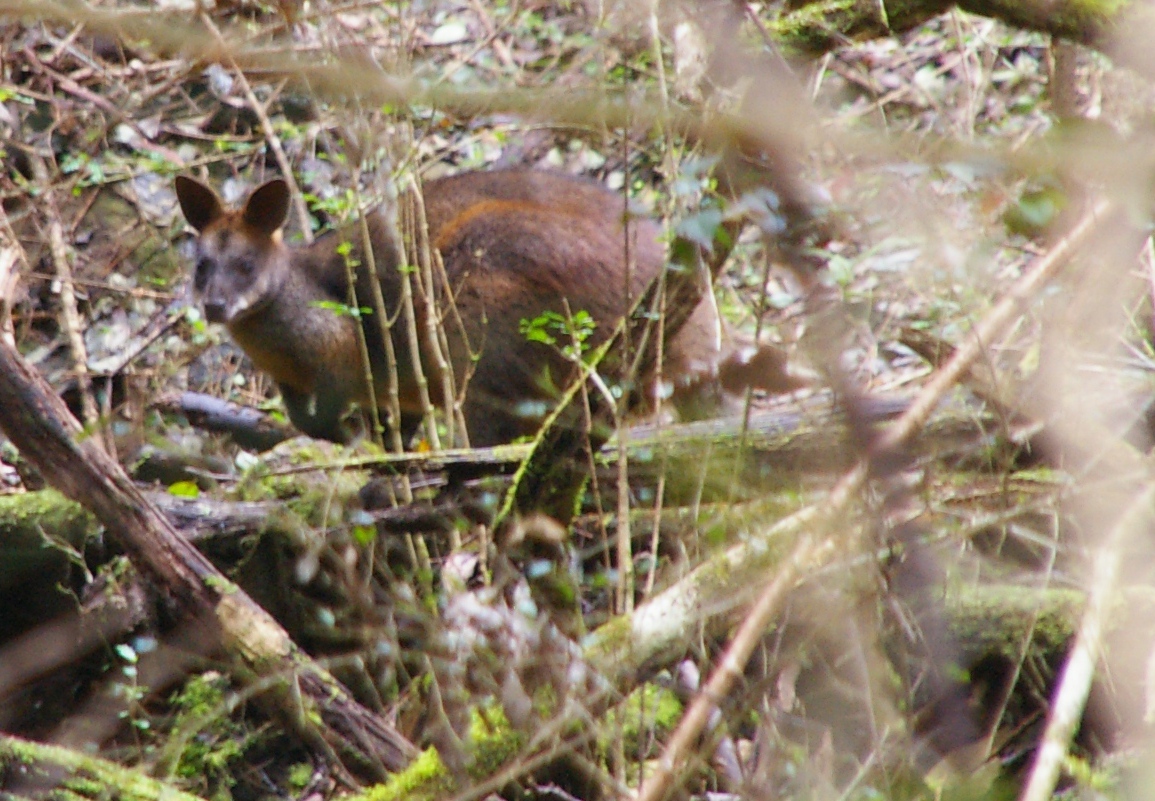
pixel 701 228
pixel 184 489
pixel 364 535
pixel 1036 210
pixel 343 309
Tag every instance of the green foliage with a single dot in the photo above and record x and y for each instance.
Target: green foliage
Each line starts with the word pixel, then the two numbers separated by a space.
pixel 493 745
pixel 237 146
pixel 840 270
pixel 548 326
pixel 338 206
pixel 11 93
pixel 642 721
pixel 287 130
pixel 1093 781
pixel 364 535
pixel 201 333
pixel 129 689
pixel 702 228
pixel 1037 209
pixel 220 585
pixel 184 489
pixel 211 744
pixel 425 778
pixel 342 309
pixel 299 777
pixel 91 171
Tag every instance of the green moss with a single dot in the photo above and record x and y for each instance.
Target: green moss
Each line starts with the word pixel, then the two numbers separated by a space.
pixel 811 29
pixel 72 774
pixel 997 619
pixel 205 743
pixel 647 717
pixel 425 778
pixel 299 777
pixel 316 496
pixel 493 743
pixel 24 517
pixel 42 532
pixel 612 643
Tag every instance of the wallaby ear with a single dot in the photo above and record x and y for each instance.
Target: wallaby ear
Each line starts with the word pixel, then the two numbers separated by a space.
pixel 199 204
pixel 268 206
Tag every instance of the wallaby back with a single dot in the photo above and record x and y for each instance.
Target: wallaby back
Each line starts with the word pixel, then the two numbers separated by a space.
pixel 515 244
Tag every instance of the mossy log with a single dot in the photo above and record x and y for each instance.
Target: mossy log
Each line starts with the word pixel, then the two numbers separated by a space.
pixel 29 770
pixel 182 580
pixel 815 28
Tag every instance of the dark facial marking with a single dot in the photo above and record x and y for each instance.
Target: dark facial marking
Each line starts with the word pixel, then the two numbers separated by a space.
pixel 204 269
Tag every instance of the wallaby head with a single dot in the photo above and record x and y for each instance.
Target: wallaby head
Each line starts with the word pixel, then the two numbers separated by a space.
pixel 240 258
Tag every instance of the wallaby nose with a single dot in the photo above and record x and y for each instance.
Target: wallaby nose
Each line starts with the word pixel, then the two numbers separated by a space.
pixel 215 311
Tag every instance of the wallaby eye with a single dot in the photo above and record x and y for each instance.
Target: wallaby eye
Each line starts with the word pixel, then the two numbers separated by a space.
pixel 201 274
pixel 247 266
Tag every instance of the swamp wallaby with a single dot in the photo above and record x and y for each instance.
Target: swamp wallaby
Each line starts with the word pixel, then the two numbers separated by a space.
pixel 515 244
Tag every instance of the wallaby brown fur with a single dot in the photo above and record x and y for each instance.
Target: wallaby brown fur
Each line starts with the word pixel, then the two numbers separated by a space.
pixel 515 243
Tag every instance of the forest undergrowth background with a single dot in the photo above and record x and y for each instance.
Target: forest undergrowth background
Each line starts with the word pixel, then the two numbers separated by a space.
pixel 885 611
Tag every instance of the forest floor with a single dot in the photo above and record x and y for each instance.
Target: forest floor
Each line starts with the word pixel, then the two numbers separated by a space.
pixel 921 625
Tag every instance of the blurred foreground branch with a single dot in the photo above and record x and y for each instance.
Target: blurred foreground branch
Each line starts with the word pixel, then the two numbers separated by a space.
pixel 810 28
pixel 818 545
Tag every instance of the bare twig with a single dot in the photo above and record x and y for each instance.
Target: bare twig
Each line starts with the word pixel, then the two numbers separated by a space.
pixel 436 340
pixel 1074 684
pixel 71 323
pixel 409 314
pixel 8 279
